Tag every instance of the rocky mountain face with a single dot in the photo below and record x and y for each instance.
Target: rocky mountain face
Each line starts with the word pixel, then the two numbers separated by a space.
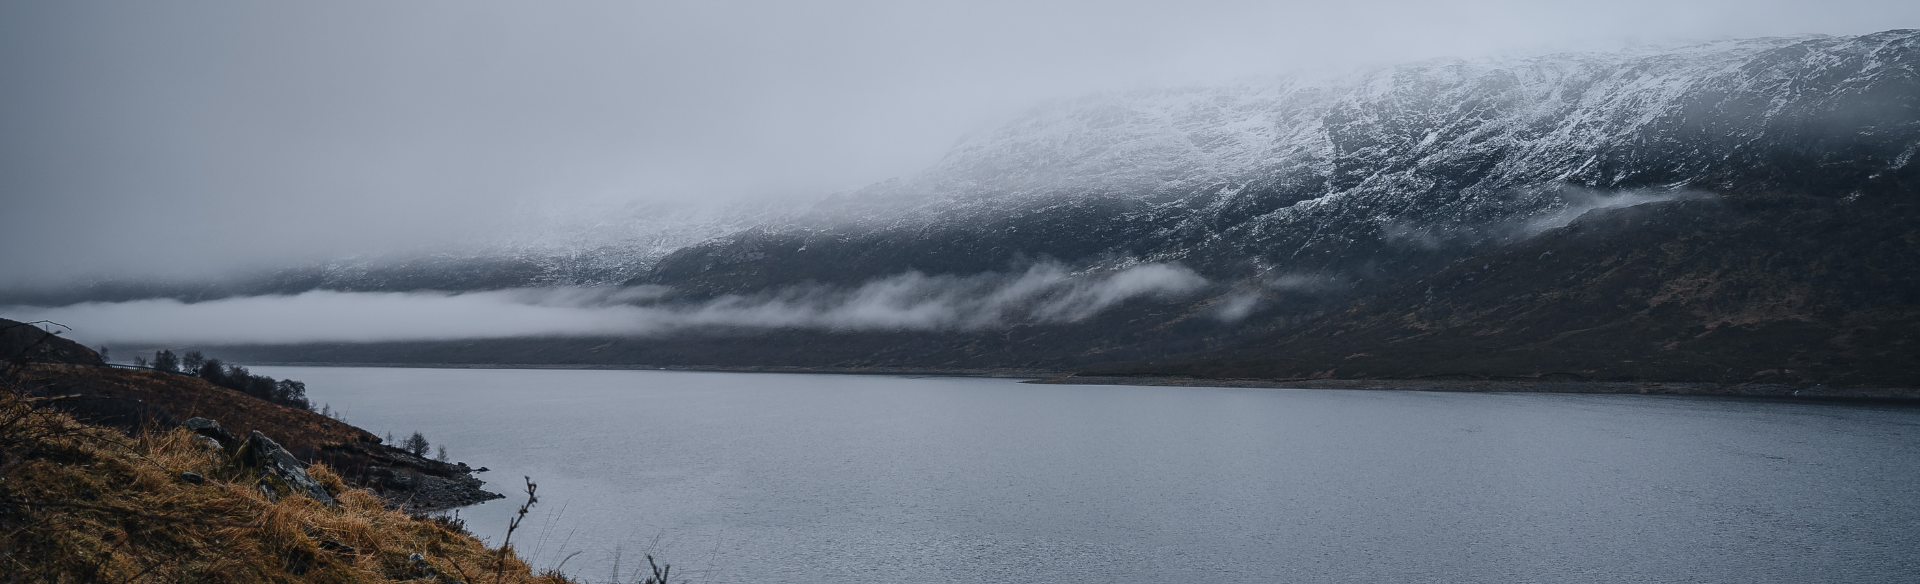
pixel 1736 211
pixel 1393 170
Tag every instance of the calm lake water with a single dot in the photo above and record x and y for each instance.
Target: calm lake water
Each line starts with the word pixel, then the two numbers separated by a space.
pixel 737 477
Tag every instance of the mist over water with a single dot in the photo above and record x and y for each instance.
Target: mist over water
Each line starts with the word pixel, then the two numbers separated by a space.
pixel 782 478
pixel 1043 293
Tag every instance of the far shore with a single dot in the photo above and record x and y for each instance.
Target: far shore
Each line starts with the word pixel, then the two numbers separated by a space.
pixel 998 373
pixel 1816 392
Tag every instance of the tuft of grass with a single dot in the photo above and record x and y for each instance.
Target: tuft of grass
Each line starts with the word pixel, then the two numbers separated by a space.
pixel 81 503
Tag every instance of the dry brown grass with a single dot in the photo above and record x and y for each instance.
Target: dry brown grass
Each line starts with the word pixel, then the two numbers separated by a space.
pixel 86 504
pixel 186 396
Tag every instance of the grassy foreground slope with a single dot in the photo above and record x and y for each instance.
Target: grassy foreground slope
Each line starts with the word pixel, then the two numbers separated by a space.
pixel 133 400
pixel 82 503
pixel 101 482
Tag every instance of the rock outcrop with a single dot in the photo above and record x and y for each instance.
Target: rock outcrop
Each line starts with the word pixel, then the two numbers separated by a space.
pixel 281 473
pixel 412 482
pixel 212 431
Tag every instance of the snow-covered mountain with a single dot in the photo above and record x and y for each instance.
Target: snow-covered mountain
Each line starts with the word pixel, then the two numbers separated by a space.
pixel 1394 168
pixel 1385 166
pixel 1681 117
pixel 1734 211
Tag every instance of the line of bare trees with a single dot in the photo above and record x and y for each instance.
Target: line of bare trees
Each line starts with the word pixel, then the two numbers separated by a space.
pixel 286 392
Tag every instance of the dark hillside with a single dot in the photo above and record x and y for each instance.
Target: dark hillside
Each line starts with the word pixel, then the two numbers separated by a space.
pixel 1773 289
pixel 1767 288
pixel 172 397
pixel 19 340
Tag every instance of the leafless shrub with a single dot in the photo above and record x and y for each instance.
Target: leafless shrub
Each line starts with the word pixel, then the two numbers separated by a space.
pixel 506 543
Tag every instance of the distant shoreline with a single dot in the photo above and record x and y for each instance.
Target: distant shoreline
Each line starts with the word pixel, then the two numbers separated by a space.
pixel 1046 377
pixel 994 373
pixel 1893 394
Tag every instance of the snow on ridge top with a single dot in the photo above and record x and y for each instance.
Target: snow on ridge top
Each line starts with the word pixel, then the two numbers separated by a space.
pixel 1546 117
pixel 1434 143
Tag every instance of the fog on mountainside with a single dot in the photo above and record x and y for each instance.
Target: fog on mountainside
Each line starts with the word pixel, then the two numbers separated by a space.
pixel 1043 293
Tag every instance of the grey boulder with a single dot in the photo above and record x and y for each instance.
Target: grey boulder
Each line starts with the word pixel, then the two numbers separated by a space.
pixel 210 429
pixel 279 466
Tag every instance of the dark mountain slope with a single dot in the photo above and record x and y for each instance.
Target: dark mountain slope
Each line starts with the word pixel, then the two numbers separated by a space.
pixel 1765 288
pixel 1776 289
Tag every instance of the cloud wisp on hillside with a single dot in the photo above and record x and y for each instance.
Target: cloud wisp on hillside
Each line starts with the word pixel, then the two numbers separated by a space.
pixel 1044 293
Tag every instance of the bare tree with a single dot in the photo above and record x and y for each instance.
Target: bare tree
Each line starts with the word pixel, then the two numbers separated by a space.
pixel 165 361
pixel 416 444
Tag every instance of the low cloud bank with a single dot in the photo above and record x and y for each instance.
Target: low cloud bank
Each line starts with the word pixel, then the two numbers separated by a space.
pixel 1559 206
pixel 1580 201
pixel 1240 303
pixel 1235 307
pixel 1045 293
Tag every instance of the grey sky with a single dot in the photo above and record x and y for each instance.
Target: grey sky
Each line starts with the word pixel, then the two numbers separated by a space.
pixel 182 137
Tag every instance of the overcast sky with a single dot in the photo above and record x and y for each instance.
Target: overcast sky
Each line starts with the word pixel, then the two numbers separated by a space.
pixel 144 138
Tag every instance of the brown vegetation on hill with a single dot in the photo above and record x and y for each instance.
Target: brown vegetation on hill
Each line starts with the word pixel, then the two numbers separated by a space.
pixel 148 500
pixel 81 503
pixel 171 397
pixel 136 400
pixel 132 400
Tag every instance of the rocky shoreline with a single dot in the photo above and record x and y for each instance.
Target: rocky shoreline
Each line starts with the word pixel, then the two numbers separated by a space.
pixel 408 483
pixel 1515 386
pixel 415 483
